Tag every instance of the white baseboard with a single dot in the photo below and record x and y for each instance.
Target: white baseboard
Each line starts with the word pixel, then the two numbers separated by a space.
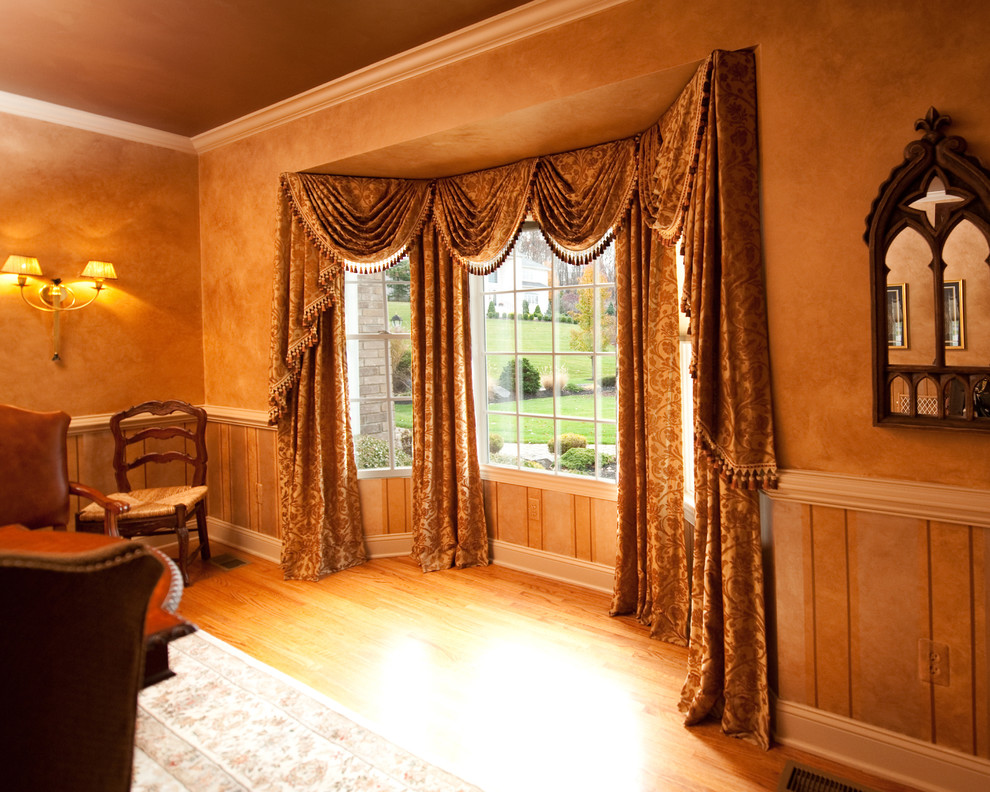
pixel 389 545
pixel 882 753
pixel 556 567
pixel 537 562
pixel 267 547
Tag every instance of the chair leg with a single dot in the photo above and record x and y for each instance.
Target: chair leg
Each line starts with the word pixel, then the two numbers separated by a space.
pixel 182 534
pixel 204 537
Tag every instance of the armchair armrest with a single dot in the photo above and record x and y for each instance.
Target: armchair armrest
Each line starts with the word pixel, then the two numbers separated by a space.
pixel 111 508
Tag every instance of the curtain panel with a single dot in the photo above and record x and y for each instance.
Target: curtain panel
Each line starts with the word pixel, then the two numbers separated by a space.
pixel 725 297
pixel 692 176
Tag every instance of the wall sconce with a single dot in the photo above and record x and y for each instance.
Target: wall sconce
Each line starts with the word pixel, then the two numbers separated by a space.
pixel 53 296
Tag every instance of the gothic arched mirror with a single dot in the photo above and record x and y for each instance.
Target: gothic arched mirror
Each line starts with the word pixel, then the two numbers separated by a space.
pixel 929 238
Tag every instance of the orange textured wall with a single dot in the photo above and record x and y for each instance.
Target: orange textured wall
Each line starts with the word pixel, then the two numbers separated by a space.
pixel 839 90
pixel 68 196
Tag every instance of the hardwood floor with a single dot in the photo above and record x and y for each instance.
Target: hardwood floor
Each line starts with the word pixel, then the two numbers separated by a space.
pixel 513 682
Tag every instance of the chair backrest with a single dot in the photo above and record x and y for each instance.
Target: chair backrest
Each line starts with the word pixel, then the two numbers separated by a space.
pixel 34 470
pixel 72 664
pixel 187 422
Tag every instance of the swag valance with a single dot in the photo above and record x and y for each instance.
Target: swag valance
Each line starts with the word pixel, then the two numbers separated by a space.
pixel 579 198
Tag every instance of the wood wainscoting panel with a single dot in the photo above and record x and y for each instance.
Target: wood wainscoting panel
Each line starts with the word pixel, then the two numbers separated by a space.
pixel 490 489
pixel 374 506
pixel 512 524
pixel 604 524
pixel 239 469
pixel 981 641
pixel 398 492
pixel 582 527
pixel 795 633
pixel 831 608
pixel 888 615
pixel 267 483
pixel 558 522
pixel 950 550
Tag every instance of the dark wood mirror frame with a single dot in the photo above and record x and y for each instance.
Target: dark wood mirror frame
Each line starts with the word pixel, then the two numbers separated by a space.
pixel 942 383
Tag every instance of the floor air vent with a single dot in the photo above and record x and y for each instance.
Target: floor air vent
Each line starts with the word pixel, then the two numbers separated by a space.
pixel 227 561
pixel 801 778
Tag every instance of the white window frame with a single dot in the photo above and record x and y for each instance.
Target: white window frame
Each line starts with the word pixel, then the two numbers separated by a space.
pixel 390 399
pixel 545 479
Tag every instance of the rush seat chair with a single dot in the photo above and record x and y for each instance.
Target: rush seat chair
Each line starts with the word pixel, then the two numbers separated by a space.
pixel 147 438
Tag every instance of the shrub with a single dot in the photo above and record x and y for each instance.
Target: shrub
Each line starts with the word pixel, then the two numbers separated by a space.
pixel 608 382
pixel 371 452
pixel 530 377
pixel 567 441
pixel 580 459
pixel 495 443
pixel 549 376
pixel 537 314
pixel 492 313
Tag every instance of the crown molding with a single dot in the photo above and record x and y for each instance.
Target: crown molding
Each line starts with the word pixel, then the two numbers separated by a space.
pixel 91 122
pixel 918 499
pixel 506 28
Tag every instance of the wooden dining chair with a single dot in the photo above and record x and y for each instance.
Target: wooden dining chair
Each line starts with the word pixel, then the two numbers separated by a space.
pixel 34 474
pixel 148 438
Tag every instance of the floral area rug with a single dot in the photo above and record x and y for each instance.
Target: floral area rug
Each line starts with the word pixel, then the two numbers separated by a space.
pixel 228 722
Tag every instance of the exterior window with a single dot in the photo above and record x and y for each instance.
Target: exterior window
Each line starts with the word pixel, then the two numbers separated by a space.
pixel 545 345
pixel 379 367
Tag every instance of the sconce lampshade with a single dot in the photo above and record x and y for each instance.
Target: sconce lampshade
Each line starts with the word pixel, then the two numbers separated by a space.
pixel 22 265
pixel 99 271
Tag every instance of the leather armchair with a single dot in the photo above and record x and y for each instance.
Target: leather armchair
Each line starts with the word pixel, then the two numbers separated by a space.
pixel 34 474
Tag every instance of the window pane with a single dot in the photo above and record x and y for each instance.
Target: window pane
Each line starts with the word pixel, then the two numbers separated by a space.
pixel 574 319
pixel 576 384
pixel 534 333
pixel 575 444
pixel 606 319
pixel 370 304
pixel 402 432
pixel 605 392
pixel 565 274
pixel 536 370
pixel 502 382
pixel 606 449
pixel 351 311
pixel 502 439
pixel 500 334
pixel 533 270
pixel 606 265
pixel 397 292
pixel 400 356
pixel 536 434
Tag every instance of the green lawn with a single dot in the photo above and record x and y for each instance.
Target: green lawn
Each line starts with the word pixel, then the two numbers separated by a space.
pixel 502 419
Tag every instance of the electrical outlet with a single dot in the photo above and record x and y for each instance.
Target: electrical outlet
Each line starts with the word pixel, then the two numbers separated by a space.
pixel 933 662
pixel 534 508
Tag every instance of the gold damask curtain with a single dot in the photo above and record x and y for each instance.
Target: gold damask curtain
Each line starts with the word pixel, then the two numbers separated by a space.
pixel 692 175
pixel 724 294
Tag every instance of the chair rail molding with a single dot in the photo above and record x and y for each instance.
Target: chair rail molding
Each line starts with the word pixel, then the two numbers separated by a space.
pixel 917 499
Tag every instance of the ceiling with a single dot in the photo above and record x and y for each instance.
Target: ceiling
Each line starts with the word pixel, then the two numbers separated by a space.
pixel 189 66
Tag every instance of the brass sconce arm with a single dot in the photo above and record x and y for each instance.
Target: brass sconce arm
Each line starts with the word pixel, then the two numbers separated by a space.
pixel 54 296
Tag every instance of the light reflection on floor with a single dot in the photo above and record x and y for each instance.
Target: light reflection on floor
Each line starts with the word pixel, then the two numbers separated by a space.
pixel 535 718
